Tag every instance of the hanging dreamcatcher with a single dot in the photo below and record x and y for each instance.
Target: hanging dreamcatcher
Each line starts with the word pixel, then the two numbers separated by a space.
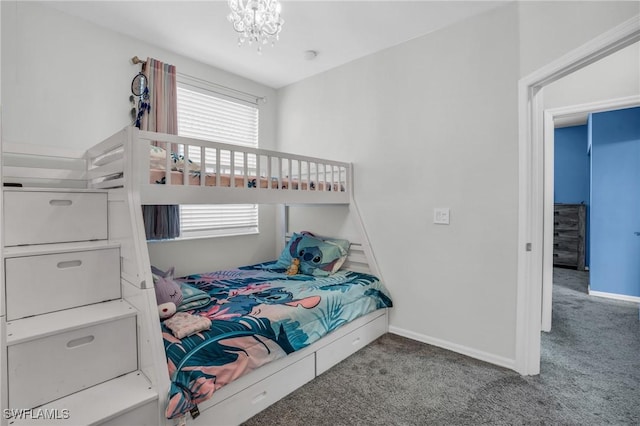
pixel 140 90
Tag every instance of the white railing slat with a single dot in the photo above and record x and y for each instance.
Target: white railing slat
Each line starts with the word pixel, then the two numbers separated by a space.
pixel 232 180
pixel 107 169
pixel 41 173
pixel 167 167
pixel 203 166
pixel 218 167
pixel 246 169
pixel 185 167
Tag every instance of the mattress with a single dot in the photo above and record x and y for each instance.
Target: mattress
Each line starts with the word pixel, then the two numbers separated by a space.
pixel 158 176
pixel 259 315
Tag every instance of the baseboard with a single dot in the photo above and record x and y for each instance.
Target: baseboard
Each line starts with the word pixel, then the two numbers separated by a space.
pixel 464 350
pixel 623 297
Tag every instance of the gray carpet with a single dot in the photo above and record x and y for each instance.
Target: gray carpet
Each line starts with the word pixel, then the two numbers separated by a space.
pixel 590 375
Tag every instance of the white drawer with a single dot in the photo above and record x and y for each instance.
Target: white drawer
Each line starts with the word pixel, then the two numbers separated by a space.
pixel 39 284
pixel 146 415
pixel 340 349
pixel 54 217
pixel 52 367
pixel 257 397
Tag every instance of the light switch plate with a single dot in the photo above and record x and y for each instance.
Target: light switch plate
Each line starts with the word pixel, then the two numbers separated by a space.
pixel 441 215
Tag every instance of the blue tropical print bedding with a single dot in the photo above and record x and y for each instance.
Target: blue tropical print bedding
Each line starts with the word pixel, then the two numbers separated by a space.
pixel 259 315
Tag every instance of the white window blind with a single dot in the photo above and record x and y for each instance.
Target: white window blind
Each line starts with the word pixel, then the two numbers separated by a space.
pixel 205 115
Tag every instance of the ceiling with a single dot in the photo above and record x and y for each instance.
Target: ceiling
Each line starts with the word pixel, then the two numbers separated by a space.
pixel 340 31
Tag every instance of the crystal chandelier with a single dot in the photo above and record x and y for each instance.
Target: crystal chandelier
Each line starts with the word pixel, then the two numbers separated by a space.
pixel 256 21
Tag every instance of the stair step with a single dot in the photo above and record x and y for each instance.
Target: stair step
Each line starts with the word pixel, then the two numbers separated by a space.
pixel 36 327
pixel 98 404
pixel 41 249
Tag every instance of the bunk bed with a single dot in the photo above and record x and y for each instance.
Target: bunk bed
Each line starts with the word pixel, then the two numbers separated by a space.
pixel 136 168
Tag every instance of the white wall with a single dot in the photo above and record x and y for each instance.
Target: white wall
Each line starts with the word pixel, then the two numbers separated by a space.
pixel 550 29
pixel 616 76
pixel 66 82
pixel 440 113
pixel 435 113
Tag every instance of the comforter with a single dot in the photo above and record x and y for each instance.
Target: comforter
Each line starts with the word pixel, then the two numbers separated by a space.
pixel 259 314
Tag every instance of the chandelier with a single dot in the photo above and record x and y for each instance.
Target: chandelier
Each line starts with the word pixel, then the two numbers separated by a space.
pixel 256 21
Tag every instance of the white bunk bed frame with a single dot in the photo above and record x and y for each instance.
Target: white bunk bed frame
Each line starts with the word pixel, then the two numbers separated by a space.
pixel 123 172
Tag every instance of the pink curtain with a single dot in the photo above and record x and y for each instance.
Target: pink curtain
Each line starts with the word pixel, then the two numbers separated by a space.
pixel 163 116
pixel 161 222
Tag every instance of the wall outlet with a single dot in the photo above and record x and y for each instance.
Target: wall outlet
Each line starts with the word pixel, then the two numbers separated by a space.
pixel 441 215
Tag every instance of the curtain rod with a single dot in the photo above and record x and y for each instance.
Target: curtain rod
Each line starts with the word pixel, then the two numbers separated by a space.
pixel 137 60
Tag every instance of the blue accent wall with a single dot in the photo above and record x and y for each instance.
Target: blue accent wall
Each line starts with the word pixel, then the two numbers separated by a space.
pixel 571 170
pixel 571 165
pixel 615 202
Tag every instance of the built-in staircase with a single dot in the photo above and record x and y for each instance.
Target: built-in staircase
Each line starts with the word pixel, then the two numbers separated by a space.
pixel 70 347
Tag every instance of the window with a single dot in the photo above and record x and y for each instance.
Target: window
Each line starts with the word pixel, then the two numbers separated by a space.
pixel 204 114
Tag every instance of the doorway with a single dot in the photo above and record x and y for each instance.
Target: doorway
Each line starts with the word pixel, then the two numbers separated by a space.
pixel 532 189
pixel 551 117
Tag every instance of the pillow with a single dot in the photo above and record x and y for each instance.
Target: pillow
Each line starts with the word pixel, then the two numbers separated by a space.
pixel 157 157
pixel 192 298
pixel 178 163
pixel 344 247
pixel 319 257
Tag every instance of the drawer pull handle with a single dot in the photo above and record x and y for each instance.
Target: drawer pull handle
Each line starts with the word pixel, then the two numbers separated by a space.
pixel 555 254
pixel 60 202
pixel 556 244
pixel 556 234
pixel 356 341
pixel 80 342
pixel 69 264
pixel 259 397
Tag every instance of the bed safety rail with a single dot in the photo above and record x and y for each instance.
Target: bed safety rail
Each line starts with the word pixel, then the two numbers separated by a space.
pixel 170 169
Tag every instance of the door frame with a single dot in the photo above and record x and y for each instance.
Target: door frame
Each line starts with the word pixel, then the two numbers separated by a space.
pixel 531 189
pixel 550 117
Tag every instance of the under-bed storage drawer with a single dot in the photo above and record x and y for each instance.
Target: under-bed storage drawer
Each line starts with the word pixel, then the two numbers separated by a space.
pixel 257 397
pixel 39 284
pixel 32 217
pixel 333 353
pixel 51 367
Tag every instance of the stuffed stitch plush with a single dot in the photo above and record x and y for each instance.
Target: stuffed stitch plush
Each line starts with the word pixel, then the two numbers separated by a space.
pixel 168 293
